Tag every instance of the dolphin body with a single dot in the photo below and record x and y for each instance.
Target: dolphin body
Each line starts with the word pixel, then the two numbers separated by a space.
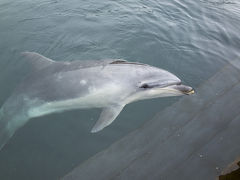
pixel 59 86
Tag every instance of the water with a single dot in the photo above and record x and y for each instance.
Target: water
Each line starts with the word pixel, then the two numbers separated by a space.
pixel 190 39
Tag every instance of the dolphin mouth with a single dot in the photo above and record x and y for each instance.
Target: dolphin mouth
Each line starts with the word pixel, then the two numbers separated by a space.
pixel 178 87
pixel 174 86
pixel 157 84
pixel 191 92
pixel 184 89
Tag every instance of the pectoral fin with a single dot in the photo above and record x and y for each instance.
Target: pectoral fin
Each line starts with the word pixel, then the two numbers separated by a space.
pixel 107 117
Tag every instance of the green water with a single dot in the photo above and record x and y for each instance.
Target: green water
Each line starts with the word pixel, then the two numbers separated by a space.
pixel 190 39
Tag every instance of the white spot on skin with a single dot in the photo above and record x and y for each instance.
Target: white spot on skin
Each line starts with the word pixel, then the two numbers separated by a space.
pixel 59 76
pixel 92 89
pixel 83 82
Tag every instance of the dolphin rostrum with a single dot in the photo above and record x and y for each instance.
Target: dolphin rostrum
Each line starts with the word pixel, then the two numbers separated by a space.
pixel 60 86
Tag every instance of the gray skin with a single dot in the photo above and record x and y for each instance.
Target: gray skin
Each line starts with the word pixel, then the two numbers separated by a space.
pixel 60 86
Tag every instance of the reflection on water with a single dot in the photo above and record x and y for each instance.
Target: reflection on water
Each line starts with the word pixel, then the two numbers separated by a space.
pixel 190 39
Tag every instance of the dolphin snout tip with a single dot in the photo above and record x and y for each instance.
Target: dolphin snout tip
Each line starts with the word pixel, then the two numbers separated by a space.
pixel 187 90
pixel 192 91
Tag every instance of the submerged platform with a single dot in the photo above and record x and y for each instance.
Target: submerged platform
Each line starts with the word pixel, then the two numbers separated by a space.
pixel 196 138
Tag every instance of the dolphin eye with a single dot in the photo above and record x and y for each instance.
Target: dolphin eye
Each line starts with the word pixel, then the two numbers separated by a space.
pixel 145 86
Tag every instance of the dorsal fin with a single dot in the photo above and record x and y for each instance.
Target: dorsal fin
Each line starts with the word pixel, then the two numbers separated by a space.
pixel 36 60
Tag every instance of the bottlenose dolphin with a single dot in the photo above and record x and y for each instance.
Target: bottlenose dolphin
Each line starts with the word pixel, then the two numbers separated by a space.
pixel 59 86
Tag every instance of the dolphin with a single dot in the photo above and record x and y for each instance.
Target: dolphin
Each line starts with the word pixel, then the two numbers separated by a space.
pixel 55 86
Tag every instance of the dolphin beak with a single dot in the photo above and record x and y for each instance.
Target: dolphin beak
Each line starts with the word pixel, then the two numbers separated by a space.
pixel 191 92
pixel 185 89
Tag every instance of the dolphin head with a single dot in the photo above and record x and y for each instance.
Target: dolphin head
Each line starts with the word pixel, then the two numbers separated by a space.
pixel 155 82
